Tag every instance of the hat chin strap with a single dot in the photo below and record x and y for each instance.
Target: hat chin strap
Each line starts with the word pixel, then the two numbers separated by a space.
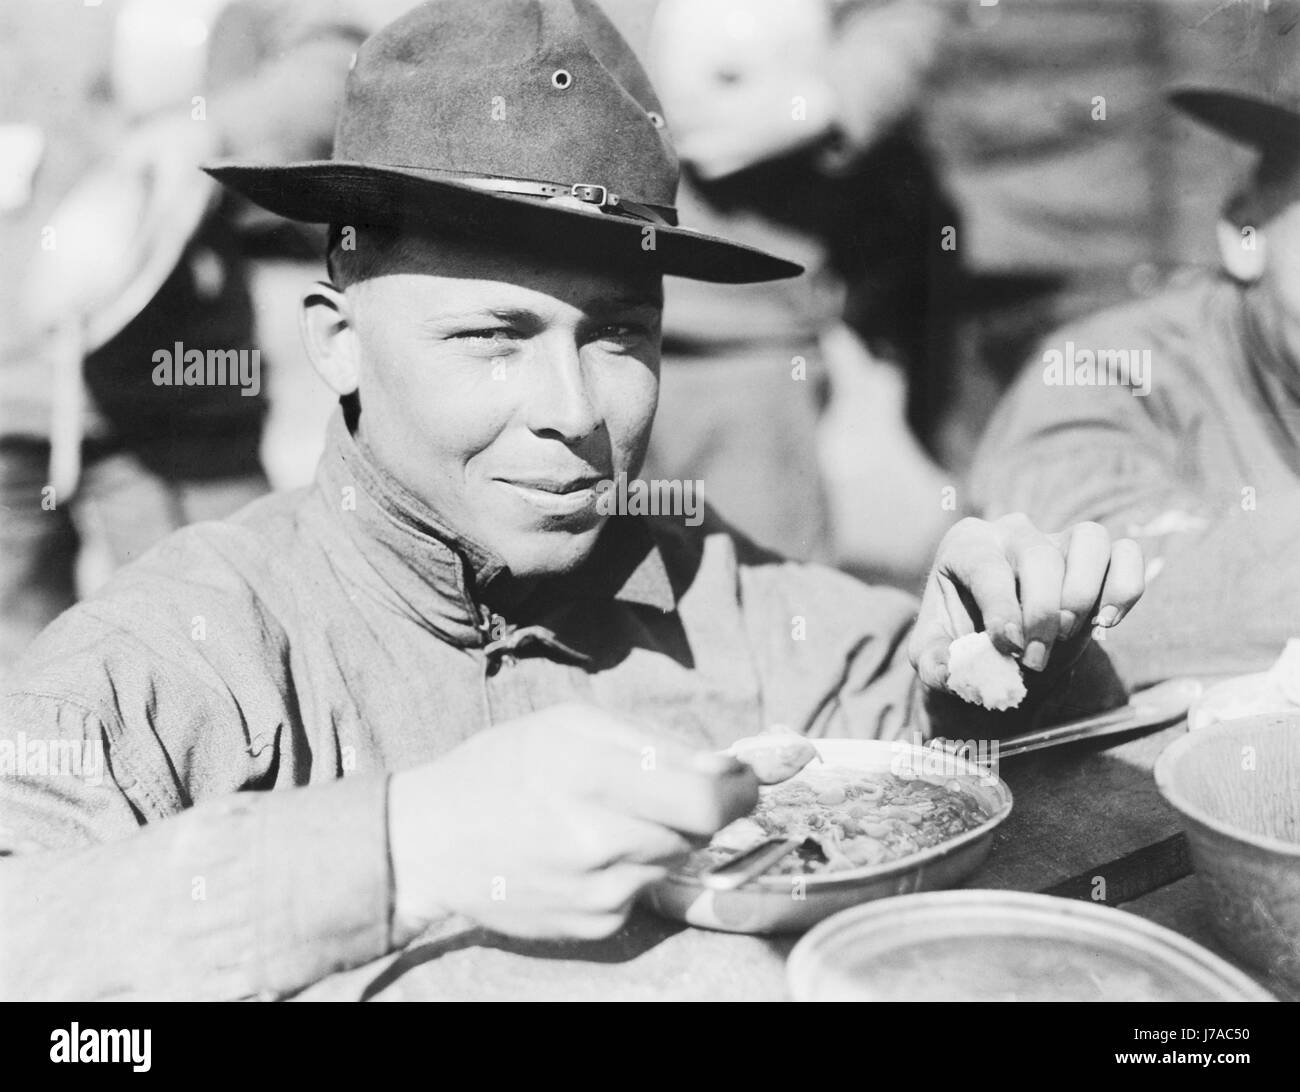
pixel 584 196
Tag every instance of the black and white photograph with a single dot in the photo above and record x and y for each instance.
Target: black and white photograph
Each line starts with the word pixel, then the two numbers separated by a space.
pixel 650 500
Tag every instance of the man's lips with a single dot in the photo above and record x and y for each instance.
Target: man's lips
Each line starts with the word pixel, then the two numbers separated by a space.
pixel 556 497
pixel 557 485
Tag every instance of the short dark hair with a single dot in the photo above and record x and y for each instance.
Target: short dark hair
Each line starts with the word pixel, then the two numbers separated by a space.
pixel 355 254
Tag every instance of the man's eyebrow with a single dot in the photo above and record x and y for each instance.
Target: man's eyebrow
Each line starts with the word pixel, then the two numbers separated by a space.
pixel 603 305
pixel 479 314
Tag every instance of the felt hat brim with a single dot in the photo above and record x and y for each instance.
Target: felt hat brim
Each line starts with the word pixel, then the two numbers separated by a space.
pixel 1249 119
pixel 360 194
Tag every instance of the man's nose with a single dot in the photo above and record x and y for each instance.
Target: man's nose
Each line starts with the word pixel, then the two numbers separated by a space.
pixel 560 405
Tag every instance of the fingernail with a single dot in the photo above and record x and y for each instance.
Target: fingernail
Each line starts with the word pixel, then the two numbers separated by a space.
pixel 1035 656
pixel 1069 620
pixel 1108 616
pixel 1013 634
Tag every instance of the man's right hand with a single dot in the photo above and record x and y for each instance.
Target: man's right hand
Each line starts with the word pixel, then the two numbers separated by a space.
pixel 549 825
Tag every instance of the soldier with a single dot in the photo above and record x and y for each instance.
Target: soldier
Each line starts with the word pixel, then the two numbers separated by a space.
pixel 448 664
pixel 1196 452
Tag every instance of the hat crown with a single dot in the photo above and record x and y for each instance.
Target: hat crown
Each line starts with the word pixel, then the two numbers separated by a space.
pixel 546 90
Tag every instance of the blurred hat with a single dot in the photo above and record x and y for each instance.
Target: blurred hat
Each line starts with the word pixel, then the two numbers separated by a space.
pixel 729 71
pixel 1258 104
pixel 1268 123
pixel 524 120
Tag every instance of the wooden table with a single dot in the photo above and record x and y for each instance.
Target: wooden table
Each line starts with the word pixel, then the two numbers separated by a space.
pixel 1088 822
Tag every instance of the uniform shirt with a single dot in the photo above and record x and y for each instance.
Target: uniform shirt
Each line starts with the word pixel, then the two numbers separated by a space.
pixel 1204 471
pixel 318 641
pixel 327 636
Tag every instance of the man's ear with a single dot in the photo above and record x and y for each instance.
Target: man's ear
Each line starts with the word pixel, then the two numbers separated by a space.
pixel 1241 250
pixel 325 322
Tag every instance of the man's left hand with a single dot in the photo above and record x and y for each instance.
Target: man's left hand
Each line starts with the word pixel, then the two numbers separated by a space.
pixel 1035 594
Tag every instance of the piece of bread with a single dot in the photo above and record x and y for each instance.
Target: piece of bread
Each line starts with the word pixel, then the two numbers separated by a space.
pixel 774 755
pixel 980 674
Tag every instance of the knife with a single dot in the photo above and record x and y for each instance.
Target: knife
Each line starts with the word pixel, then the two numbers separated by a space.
pixel 1153 707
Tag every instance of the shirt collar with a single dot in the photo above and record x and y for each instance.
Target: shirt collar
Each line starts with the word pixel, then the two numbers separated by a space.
pixel 444 579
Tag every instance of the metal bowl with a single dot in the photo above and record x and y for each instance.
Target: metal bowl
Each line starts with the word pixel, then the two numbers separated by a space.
pixel 1237 787
pixel 1241 696
pixel 779 904
pixel 1005 946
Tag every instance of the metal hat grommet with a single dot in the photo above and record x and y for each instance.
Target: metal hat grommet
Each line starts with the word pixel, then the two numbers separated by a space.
pixel 561 79
pixel 655 119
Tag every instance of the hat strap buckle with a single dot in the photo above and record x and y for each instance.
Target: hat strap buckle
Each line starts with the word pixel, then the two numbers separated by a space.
pixel 589 196
pixel 589 193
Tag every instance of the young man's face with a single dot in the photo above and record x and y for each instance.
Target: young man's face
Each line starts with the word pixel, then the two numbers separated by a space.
pixel 500 389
